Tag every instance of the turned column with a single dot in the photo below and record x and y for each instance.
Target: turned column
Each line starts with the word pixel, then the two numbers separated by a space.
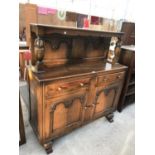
pixel 39 54
pixel 114 50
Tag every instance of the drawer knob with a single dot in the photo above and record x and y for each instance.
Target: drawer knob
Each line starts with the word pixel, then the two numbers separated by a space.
pixel 118 76
pixel 59 88
pixel 93 105
pixel 85 108
pixel 81 84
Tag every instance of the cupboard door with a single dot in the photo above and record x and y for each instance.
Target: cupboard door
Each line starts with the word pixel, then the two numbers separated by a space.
pixel 106 99
pixel 64 115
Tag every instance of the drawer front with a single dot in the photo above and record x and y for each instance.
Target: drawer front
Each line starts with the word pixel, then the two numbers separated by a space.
pixel 65 87
pixel 104 80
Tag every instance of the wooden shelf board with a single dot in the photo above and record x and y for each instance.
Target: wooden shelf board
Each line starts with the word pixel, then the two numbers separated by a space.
pixel 131 83
pixel 130 93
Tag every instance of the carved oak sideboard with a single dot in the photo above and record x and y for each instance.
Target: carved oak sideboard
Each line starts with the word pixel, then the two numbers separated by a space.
pixel 70 82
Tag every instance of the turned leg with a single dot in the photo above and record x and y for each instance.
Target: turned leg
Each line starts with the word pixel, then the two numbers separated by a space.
pixel 48 147
pixel 110 117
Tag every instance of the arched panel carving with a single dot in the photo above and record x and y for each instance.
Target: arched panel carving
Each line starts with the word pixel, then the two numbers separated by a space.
pixel 105 98
pixel 74 112
pixel 62 113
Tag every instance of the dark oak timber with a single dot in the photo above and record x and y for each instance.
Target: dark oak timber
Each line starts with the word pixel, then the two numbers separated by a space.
pixel 70 81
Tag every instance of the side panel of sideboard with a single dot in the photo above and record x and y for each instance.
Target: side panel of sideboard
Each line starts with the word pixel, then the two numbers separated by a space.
pixel 36 106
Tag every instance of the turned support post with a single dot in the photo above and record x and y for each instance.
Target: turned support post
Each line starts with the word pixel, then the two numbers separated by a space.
pixel 114 50
pixel 39 53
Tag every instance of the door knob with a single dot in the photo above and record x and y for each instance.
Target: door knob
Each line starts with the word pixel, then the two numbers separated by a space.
pixel 59 88
pixel 81 84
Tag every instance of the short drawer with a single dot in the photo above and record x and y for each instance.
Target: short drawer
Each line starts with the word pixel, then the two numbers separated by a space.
pixel 60 88
pixel 110 78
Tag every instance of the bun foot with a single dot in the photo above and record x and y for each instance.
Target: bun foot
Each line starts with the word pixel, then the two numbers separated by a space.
pixel 109 117
pixel 48 147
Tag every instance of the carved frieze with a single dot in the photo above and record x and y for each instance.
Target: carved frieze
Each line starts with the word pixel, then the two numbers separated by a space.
pixel 68 102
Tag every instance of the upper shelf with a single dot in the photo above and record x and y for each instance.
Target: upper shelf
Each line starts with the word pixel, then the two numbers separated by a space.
pixel 128 47
pixel 72 31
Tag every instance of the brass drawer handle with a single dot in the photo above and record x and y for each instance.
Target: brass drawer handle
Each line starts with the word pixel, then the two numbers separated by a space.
pixel 85 108
pixel 62 87
pixel 118 76
pixel 59 88
pixel 81 84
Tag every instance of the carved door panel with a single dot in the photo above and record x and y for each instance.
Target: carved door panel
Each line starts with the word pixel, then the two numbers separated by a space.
pixel 65 114
pixel 106 99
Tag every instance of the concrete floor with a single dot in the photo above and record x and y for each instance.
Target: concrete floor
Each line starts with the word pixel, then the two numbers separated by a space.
pixel 97 138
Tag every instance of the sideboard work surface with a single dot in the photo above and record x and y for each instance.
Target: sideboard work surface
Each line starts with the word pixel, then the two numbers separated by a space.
pixel 66 96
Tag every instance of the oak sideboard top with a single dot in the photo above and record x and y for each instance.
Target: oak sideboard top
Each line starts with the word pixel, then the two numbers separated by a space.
pixel 85 68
